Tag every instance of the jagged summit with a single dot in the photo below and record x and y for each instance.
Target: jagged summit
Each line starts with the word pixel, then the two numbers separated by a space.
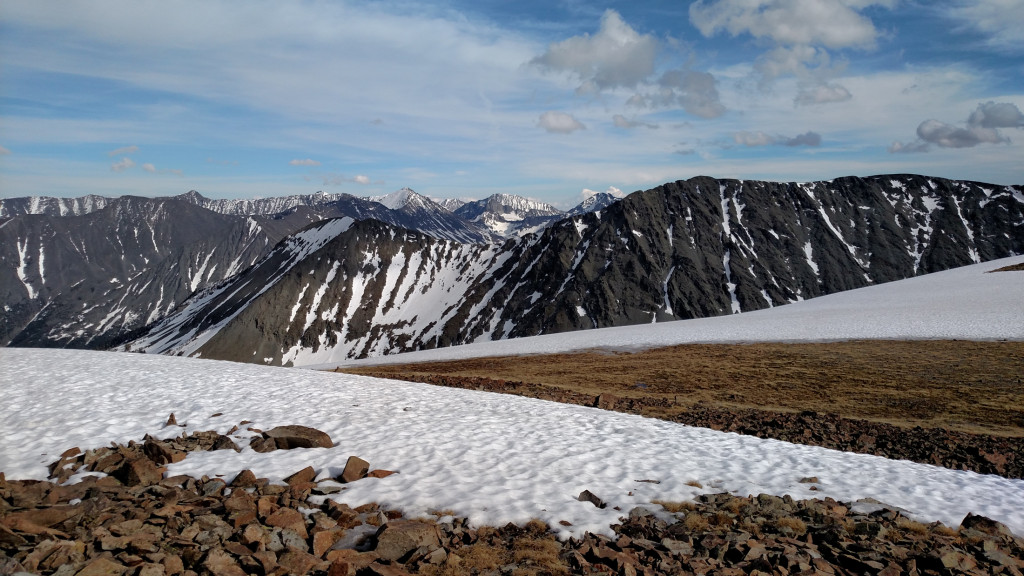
pixel 400 199
pixel 598 201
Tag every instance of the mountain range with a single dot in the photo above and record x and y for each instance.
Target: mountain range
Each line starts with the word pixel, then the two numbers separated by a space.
pixel 89 272
pixel 296 279
pixel 695 248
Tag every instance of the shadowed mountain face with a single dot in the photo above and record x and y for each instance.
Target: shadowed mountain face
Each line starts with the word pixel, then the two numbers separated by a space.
pixel 695 248
pixel 91 271
pixel 85 281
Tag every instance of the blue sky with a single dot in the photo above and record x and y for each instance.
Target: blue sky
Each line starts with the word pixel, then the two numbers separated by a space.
pixel 548 100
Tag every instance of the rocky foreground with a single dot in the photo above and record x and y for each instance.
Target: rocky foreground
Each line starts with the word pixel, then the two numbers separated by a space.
pixel 982 453
pixel 130 520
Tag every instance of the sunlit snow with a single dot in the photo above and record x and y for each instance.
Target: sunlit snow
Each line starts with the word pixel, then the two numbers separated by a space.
pixel 498 458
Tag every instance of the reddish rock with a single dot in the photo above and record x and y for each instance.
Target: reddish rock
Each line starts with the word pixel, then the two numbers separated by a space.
pixel 397 540
pixel 102 567
pixel 323 540
pixel 606 401
pixel 355 469
pixel 139 472
pixel 288 437
pixel 380 473
pixel 245 479
pixel 304 476
pixel 220 563
pixel 289 518
pixel 297 561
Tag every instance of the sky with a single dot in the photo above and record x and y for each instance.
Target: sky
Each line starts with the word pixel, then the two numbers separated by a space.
pixel 551 100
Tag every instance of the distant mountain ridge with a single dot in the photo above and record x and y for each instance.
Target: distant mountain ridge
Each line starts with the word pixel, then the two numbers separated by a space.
pixel 510 216
pixel 694 248
pixel 77 272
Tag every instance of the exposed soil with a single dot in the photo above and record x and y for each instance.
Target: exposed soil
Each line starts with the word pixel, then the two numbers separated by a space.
pixel 966 386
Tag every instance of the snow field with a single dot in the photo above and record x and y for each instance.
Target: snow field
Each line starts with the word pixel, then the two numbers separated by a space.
pixel 494 458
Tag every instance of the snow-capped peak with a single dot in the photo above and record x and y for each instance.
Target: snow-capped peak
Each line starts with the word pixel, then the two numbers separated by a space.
pixel 397 199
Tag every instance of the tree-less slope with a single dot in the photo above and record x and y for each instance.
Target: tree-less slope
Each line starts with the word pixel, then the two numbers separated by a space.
pixel 695 248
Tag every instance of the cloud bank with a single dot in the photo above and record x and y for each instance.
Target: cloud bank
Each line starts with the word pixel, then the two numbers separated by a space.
pixel 982 127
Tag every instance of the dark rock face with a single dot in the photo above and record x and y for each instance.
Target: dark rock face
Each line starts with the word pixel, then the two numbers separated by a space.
pixel 87 281
pixel 695 248
pixel 90 272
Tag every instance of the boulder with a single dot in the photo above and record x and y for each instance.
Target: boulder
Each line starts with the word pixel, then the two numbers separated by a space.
pixel 588 496
pixel 289 518
pixel 397 540
pixel 294 436
pixel 303 476
pixel 355 469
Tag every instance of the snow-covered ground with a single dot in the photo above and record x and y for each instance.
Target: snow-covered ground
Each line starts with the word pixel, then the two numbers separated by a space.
pixel 499 458
pixel 964 303
pixel 495 458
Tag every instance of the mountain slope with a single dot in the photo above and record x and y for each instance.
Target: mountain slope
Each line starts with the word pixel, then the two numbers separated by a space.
pixel 86 281
pixel 509 216
pixel 688 249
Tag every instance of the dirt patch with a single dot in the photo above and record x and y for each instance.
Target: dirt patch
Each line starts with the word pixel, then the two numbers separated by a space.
pixel 1013 268
pixel 973 387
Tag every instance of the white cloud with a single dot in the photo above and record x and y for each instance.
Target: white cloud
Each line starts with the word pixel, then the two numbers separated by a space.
pixel 982 127
pixel 123 151
pixel 801 34
pixel 306 162
pixel 752 139
pixel 4 151
pixel 831 23
pixel 122 164
pixel 559 122
pixel 361 179
pixel 149 167
pixel 617 56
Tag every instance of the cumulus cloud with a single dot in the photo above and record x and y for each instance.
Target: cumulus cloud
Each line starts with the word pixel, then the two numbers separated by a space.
pixel 617 56
pixel 149 167
pixel 587 193
pixel 753 139
pixel 982 127
pixel 831 23
pixel 306 162
pixel 997 115
pixel 623 122
pixel 125 150
pixel 801 34
pixel 559 122
pixel 4 151
pixel 122 164
pixel 821 94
